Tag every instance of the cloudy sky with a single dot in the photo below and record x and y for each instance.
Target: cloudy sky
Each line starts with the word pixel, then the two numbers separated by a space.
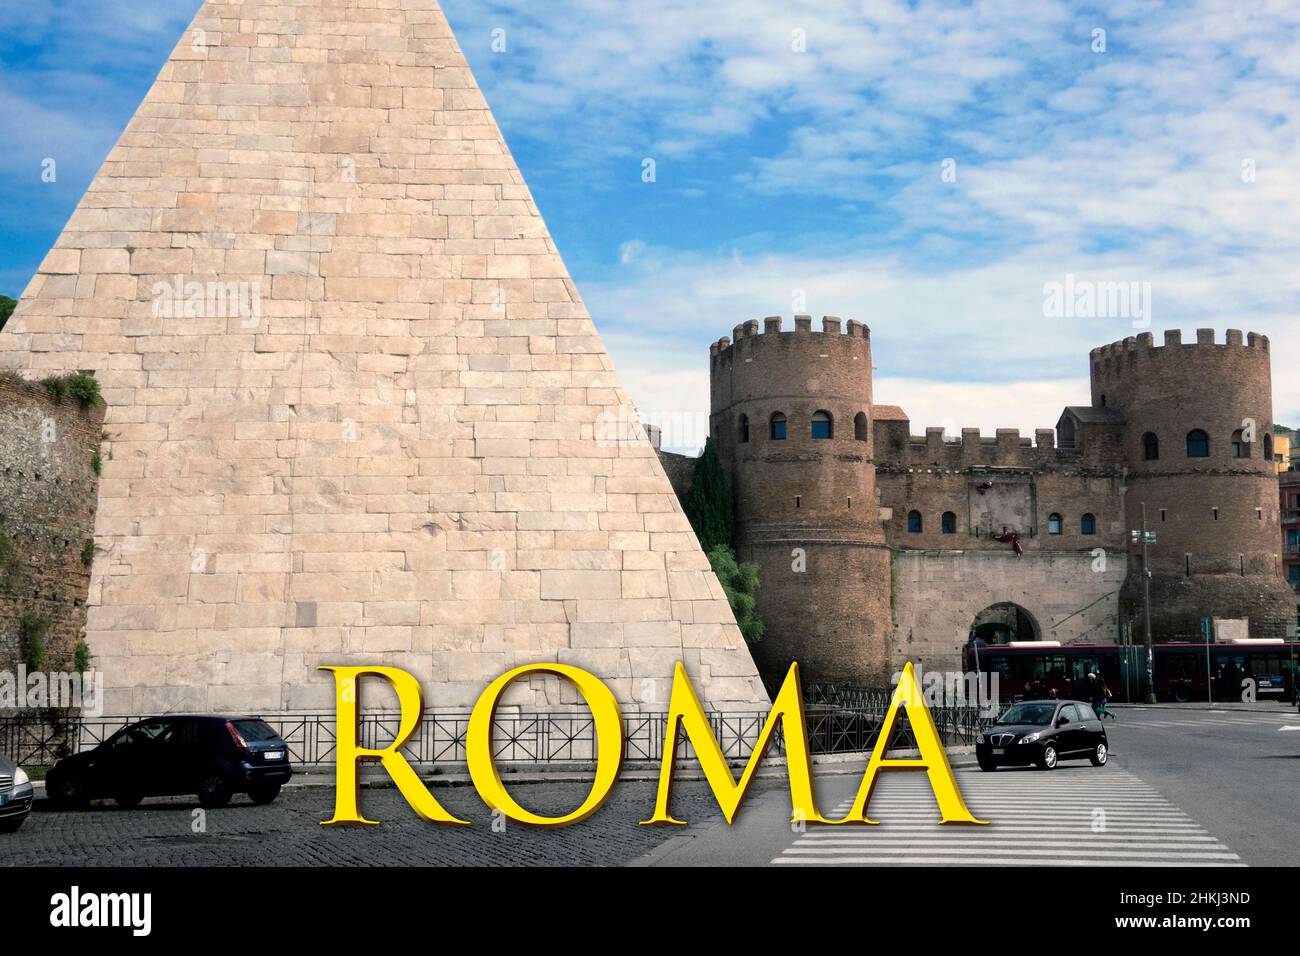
pixel 927 168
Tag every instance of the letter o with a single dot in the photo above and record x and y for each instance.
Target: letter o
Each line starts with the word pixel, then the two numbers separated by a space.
pixel 609 744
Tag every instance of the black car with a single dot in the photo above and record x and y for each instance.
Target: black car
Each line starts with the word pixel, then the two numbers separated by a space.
pixel 212 757
pixel 1043 732
pixel 15 796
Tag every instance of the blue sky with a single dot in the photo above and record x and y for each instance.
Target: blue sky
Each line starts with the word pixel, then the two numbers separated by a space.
pixel 799 152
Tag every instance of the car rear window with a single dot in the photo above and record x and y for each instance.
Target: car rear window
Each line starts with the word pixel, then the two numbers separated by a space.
pixel 252 730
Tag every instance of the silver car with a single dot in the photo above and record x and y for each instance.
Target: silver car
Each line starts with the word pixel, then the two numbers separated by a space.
pixel 15 796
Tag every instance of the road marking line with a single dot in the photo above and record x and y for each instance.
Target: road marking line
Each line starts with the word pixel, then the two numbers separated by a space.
pixel 988 861
pixel 1036 820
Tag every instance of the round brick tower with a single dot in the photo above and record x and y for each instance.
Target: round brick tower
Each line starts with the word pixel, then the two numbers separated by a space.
pixel 1211 495
pixel 791 418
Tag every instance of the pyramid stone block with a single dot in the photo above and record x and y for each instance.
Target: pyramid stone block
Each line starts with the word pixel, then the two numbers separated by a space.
pixel 357 411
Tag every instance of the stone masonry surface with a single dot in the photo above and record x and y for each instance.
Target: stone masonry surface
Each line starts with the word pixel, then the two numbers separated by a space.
pixel 354 399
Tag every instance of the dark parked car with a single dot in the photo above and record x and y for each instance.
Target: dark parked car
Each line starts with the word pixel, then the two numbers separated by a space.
pixel 15 796
pixel 212 757
pixel 1043 732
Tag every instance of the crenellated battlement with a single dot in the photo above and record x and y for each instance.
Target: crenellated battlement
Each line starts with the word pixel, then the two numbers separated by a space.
pixel 1173 339
pixel 831 325
pixel 1007 448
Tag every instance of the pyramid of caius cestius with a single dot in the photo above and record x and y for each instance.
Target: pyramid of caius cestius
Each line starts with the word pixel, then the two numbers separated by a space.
pixel 357 411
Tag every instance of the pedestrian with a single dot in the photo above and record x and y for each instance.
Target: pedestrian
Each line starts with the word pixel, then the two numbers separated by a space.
pixel 1101 695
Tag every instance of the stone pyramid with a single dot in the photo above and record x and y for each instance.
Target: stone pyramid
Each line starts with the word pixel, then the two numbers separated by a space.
pixel 357 411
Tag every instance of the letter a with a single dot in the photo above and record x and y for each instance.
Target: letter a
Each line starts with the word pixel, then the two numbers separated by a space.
pixel 933 759
pixel 685 713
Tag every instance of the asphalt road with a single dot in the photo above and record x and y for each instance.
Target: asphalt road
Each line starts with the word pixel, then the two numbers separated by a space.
pixel 1236 772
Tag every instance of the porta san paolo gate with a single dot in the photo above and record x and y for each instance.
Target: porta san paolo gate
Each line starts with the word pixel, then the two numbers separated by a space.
pixel 351 394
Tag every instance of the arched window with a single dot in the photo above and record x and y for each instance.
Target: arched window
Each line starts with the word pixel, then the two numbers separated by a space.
pixel 949 523
pixel 1240 449
pixel 744 429
pixel 1150 447
pixel 1053 523
pixel 860 426
pixel 914 522
pixel 1198 444
pixel 1268 447
pixel 1088 524
pixel 778 427
pixel 823 426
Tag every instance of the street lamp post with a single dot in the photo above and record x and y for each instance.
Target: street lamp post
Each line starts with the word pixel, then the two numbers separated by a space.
pixel 1146 538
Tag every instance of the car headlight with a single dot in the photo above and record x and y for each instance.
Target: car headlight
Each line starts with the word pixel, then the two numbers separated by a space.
pixel 979 739
pixel 1029 738
pixel 20 777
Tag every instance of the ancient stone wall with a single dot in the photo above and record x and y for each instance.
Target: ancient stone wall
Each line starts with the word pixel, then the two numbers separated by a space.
pixel 1072 494
pixel 47 516
pixel 937 594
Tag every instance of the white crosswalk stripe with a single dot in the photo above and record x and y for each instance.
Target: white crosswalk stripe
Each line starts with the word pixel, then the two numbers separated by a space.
pixel 1211 721
pixel 1070 817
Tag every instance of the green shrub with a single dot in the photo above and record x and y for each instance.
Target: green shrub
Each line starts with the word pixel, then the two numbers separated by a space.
pixel 88 552
pixel 97 463
pixel 7 306
pixel 740 582
pixel 85 389
pixel 81 657
pixel 33 629
pixel 79 385
pixel 56 387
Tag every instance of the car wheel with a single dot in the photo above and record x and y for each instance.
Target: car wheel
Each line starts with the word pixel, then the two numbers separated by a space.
pixel 263 794
pixel 988 766
pixel 128 801
pixel 12 826
pixel 67 791
pixel 1049 758
pixel 214 791
pixel 1100 756
pixel 1182 695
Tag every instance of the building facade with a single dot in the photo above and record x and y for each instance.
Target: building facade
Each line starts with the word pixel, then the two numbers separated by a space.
pixel 877 545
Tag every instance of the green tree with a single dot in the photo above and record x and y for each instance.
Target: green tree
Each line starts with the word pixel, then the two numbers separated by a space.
pixel 6 309
pixel 708 504
pixel 740 581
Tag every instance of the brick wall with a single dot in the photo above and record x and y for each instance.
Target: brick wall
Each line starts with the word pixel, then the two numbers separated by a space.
pixel 47 513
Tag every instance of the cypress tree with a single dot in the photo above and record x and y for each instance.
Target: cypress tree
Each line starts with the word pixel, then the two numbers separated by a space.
pixel 708 504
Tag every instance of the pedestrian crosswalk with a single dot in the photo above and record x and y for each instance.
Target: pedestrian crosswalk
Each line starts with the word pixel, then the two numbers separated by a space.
pixel 1074 816
pixel 1207 720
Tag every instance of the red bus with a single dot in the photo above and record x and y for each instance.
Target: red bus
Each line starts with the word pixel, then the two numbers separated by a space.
pixel 1028 667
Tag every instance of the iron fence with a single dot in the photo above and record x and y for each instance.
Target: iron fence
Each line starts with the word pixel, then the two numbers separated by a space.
pixel 521 738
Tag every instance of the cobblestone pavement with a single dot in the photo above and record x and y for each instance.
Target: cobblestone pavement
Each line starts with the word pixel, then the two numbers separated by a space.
pixel 161 832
